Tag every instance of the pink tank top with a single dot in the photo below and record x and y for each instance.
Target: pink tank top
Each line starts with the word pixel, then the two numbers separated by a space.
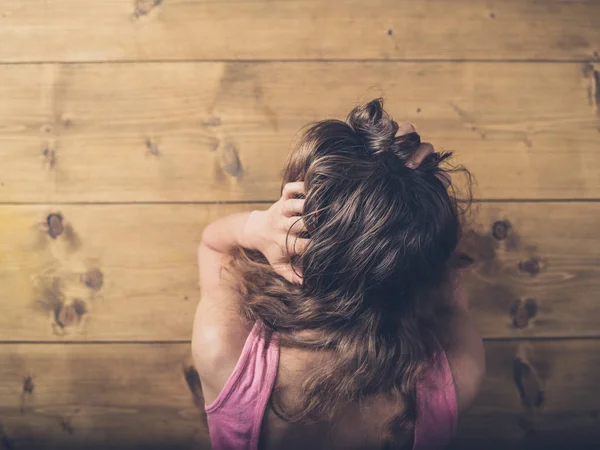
pixel 235 417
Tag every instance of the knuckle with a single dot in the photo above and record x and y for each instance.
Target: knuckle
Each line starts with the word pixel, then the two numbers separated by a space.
pixel 427 147
pixel 296 205
pixel 285 205
pixel 406 128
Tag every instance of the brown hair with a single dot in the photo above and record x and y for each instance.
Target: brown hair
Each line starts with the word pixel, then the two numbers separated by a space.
pixel 381 239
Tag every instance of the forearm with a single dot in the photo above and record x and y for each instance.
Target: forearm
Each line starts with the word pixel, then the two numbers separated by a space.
pixel 228 232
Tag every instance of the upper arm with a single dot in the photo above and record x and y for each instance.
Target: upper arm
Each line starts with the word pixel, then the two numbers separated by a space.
pixel 466 357
pixel 218 331
pixel 210 269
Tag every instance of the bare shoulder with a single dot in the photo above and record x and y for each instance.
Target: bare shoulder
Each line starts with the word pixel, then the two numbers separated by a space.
pixel 466 356
pixel 217 344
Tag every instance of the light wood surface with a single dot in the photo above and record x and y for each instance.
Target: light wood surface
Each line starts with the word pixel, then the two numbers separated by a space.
pixel 99 396
pixel 87 30
pixel 221 131
pixel 132 272
pixel 132 268
pixel 131 395
pixel 127 126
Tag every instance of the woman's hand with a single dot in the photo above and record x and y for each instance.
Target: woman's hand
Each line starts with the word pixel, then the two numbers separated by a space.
pixel 424 150
pixel 274 232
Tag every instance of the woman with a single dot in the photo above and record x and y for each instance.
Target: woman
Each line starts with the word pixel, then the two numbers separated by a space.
pixel 335 319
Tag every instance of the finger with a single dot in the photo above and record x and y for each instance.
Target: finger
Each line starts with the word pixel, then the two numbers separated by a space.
pixel 405 128
pixel 296 225
pixel 293 207
pixel 290 274
pixel 297 246
pixel 291 189
pixel 445 178
pixel 424 150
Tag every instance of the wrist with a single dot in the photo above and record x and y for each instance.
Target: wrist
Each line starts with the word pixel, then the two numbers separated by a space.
pixel 249 236
pixel 227 232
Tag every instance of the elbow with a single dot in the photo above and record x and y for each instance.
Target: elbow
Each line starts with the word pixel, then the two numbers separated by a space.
pixel 206 239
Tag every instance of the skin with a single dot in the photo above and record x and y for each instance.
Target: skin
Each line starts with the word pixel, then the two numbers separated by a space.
pixel 219 332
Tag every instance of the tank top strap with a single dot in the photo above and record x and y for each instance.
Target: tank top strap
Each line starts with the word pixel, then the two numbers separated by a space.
pixel 437 411
pixel 235 417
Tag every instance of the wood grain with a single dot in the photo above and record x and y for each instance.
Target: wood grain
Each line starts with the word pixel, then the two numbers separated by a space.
pixel 99 396
pixel 542 278
pixel 137 395
pixel 221 131
pixel 129 272
pixel 560 408
pixel 113 273
pixel 70 30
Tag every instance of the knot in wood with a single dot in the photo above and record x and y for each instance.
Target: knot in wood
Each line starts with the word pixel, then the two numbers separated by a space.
pixel 94 278
pixel 55 225
pixel 500 229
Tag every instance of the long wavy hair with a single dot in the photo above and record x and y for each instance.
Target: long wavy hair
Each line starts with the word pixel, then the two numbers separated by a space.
pixel 381 240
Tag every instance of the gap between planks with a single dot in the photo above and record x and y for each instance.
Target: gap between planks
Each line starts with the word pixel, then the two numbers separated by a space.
pixel 267 202
pixel 185 341
pixel 306 60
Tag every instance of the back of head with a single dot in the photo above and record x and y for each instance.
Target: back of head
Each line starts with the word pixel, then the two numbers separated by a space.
pixel 380 231
pixel 381 238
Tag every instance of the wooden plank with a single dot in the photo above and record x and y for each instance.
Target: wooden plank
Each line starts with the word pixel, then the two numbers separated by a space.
pixel 70 30
pixel 539 276
pixel 112 272
pixel 138 395
pixel 99 396
pixel 221 131
pixel 129 272
pixel 559 409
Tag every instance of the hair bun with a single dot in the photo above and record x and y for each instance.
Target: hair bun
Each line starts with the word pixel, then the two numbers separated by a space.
pixel 378 131
pixel 373 125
